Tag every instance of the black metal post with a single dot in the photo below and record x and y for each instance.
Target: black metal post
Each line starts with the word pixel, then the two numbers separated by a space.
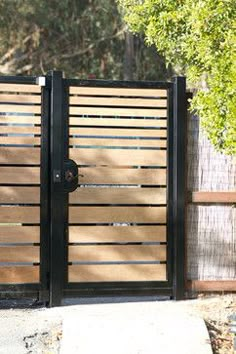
pixel 57 150
pixel 179 166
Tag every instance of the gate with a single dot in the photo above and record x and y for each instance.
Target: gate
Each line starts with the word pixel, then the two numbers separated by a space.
pixel 92 187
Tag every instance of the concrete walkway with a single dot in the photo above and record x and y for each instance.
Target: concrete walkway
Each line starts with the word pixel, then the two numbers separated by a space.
pixel 99 327
pixel 133 328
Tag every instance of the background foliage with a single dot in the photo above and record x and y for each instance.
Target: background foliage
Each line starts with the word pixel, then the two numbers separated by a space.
pixel 198 37
pixel 83 38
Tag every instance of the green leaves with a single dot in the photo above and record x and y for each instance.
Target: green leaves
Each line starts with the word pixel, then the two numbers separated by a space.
pixel 199 38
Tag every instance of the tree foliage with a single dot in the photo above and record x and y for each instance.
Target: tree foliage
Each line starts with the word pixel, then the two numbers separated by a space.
pixel 199 38
pixel 82 38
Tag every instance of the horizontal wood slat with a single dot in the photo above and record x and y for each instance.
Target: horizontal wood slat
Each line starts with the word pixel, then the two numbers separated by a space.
pixel 106 175
pixel 20 108
pixel 213 197
pixel 19 155
pixel 20 119
pixel 110 91
pixel 20 98
pixel 19 140
pixel 20 130
pixel 19 254
pixel 117 234
pixel 117 214
pixel 116 122
pixel 117 253
pixel 19 214
pixel 117 112
pixel 19 175
pixel 20 195
pixel 117 157
pixel 19 234
pixel 118 195
pixel 6 87
pixel 19 275
pixel 212 285
pixel 116 101
pixel 121 272
pixel 123 132
pixel 117 142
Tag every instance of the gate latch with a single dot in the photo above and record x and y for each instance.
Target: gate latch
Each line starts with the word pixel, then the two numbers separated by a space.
pixel 71 176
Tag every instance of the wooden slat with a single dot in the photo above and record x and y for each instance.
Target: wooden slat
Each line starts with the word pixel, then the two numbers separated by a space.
pixel 118 272
pixel 20 130
pixel 20 108
pixel 19 275
pixel 117 214
pixel 117 112
pixel 19 234
pixel 19 140
pixel 6 87
pixel 19 214
pixel 19 155
pixel 118 196
pixel 117 253
pixel 117 234
pixel 19 175
pixel 117 122
pixel 20 195
pixel 213 197
pixel 110 91
pixel 20 119
pixel 212 285
pixel 19 254
pixel 118 157
pixel 116 101
pixel 148 133
pixel 117 142
pixel 20 98
pixel 106 175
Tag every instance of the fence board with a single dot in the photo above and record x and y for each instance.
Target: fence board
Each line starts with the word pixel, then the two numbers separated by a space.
pixel 117 142
pixel 19 254
pixel 116 101
pixel 117 112
pixel 118 196
pixel 19 275
pixel 20 108
pixel 118 157
pixel 20 119
pixel 19 155
pixel 19 214
pixel 117 234
pixel 110 91
pixel 20 98
pixel 19 88
pixel 117 214
pixel 20 130
pixel 121 272
pixel 19 175
pixel 19 140
pixel 117 122
pixel 19 234
pixel 106 175
pixel 123 132
pixel 20 195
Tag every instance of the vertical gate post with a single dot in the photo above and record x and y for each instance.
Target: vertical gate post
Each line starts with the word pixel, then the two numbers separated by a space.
pixel 57 152
pixel 179 168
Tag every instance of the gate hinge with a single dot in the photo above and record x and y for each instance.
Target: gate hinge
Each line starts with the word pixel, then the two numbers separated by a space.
pixel 41 81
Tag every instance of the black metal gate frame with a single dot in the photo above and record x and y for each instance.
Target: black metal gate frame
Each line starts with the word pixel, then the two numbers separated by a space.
pixel 54 287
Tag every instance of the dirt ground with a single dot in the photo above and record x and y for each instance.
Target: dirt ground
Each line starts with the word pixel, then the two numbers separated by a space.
pixel 215 310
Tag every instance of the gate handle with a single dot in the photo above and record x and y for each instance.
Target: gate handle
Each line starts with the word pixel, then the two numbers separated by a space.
pixel 71 176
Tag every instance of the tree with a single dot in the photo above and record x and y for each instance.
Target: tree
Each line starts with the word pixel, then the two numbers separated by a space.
pixel 85 39
pixel 198 37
